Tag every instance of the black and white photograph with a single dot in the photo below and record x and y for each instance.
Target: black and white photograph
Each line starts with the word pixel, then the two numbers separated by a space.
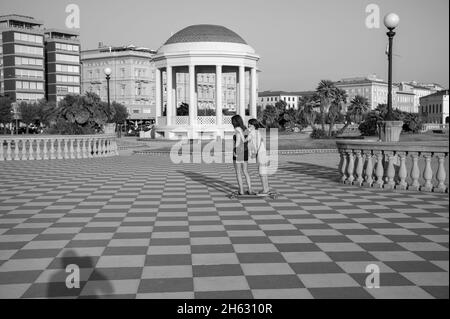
pixel 224 156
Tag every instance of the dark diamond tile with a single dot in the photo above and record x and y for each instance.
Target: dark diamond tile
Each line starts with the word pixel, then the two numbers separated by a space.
pixel 274 282
pixel 217 270
pixel 166 285
pixel 316 268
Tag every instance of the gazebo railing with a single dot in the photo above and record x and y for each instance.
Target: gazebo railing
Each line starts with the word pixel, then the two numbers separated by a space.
pixel 402 166
pixel 57 147
pixel 206 120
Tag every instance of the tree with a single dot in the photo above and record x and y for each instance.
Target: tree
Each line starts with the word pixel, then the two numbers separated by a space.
pixel 46 112
pixel 6 115
pixel 326 91
pixel 412 122
pixel 280 107
pixel 270 116
pixel 183 109
pixel 307 111
pixel 357 109
pixel 120 113
pixel 29 113
pixel 340 99
pixel 82 114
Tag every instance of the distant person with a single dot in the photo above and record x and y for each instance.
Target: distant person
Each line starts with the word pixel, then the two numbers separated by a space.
pixel 240 154
pixel 258 150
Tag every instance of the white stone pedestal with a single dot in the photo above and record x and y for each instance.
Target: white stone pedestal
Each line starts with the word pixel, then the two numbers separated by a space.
pixel 390 131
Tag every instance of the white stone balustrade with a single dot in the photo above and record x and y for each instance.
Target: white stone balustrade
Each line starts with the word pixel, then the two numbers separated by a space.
pixel 51 147
pixel 400 166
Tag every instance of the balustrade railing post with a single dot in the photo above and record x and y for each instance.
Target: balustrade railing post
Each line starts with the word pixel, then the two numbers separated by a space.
pixel 78 140
pixel 100 147
pixel 66 148
pixel 30 150
pixel 45 157
pixel 427 174
pixel 379 170
pixel 72 149
pixel 95 141
pixel 402 173
pixel 84 147
pixel 58 148
pixel 2 153
pixel 91 147
pixel 16 149
pixel 390 172
pixel 415 172
pixel 350 167
pixel 359 168
pixel 8 150
pixel 441 174
pixel 52 149
pixel 38 149
pixel 368 181
pixel 24 156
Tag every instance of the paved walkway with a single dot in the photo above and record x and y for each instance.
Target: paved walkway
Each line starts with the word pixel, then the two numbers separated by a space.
pixel 142 227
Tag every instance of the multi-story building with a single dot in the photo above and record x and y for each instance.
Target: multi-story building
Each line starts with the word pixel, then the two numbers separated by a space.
pixel 62 63
pixel 404 101
pixel 434 108
pixel 132 80
pixel 272 97
pixel 376 91
pixel 22 58
pixel 418 90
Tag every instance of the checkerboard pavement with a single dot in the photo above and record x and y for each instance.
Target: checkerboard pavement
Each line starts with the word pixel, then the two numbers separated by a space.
pixel 142 227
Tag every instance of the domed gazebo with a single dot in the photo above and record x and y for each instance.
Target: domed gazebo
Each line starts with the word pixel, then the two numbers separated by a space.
pixel 192 51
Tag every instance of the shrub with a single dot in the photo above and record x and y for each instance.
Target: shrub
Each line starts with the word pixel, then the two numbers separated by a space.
pixel 319 134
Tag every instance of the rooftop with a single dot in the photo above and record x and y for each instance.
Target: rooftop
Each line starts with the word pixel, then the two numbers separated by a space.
pixel 205 33
pixel 278 93
pixel 440 93
pixel 20 18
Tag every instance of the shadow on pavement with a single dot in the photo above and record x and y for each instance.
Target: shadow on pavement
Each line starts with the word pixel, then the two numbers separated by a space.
pixel 313 170
pixel 73 269
pixel 215 183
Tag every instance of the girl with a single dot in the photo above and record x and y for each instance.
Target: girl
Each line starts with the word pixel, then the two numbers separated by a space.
pixel 258 148
pixel 240 154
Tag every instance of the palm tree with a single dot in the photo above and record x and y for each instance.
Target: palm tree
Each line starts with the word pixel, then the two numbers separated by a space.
pixel 340 99
pixel 358 107
pixel 326 91
pixel 307 107
pixel 270 116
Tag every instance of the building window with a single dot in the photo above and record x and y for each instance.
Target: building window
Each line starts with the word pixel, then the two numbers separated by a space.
pixel 27 37
pixel 68 58
pixel 67 47
pixel 28 49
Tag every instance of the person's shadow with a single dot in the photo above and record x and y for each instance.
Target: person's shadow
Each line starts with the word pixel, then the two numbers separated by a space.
pixel 215 183
pixel 77 275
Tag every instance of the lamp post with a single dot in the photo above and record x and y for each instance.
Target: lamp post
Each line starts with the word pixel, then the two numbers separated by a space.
pixel 108 72
pixel 391 128
pixel 391 21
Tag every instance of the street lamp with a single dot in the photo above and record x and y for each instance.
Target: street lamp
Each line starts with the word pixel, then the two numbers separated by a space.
pixel 391 128
pixel 391 21
pixel 108 72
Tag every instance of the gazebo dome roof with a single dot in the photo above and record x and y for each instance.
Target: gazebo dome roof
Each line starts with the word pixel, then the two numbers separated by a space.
pixel 205 33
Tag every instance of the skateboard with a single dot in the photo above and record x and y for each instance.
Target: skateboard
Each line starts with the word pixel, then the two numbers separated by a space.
pixel 271 194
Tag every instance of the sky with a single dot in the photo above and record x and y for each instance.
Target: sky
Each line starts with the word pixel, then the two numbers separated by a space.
pixel 300 42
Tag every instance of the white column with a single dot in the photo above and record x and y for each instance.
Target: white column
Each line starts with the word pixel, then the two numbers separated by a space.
pixel 219 94
pixel 192 97
pixel 158 101
pixel 169 106
pixel 254 94
pixel 242 92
